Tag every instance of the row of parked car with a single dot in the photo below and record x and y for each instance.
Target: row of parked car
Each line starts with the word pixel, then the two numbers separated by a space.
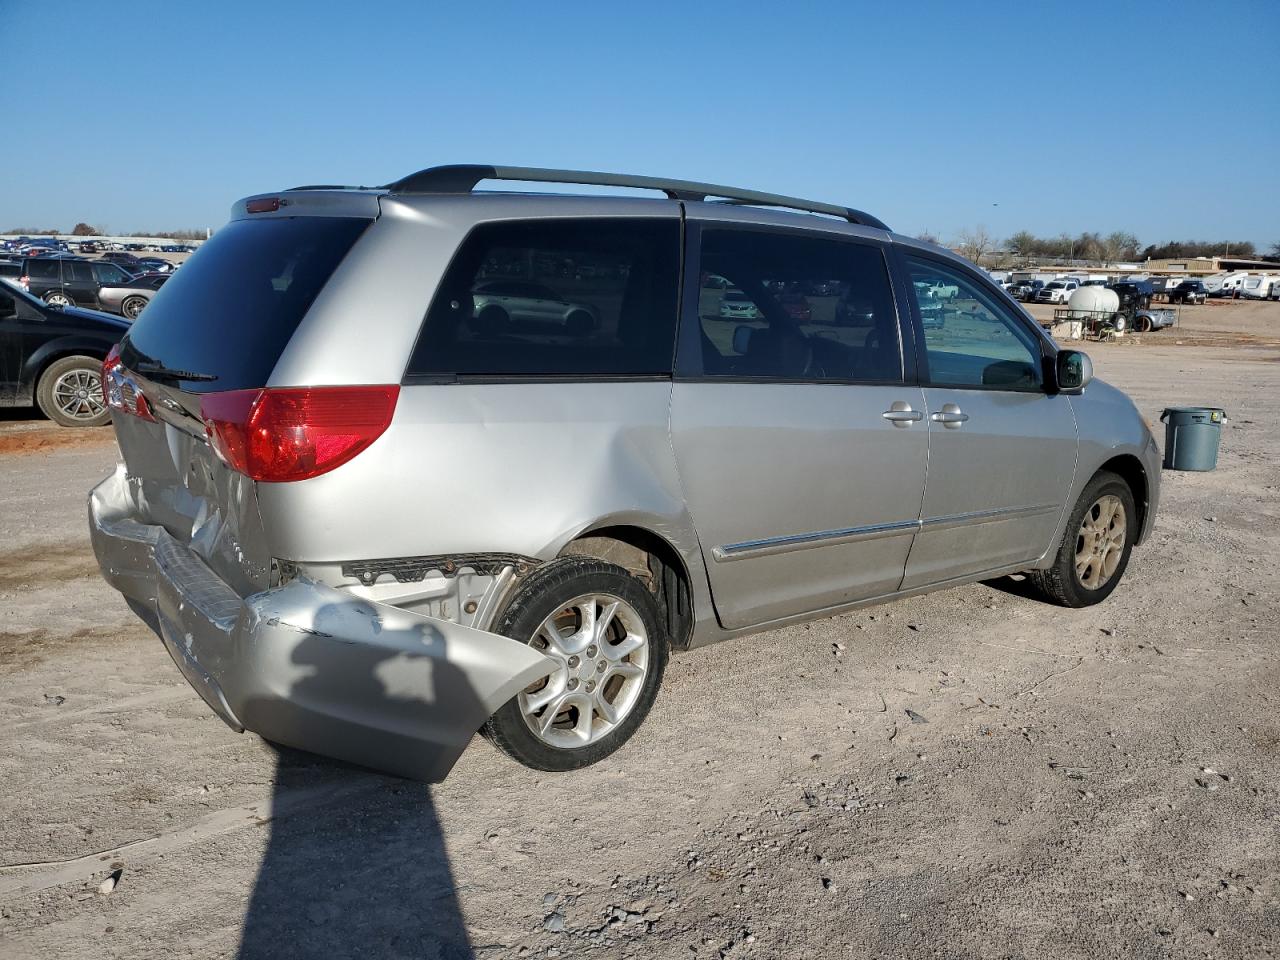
pixel 38 246
pixel 1059 291
pixel 122 285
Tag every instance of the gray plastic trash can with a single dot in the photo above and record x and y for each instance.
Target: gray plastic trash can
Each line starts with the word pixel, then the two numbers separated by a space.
pixel 1191 436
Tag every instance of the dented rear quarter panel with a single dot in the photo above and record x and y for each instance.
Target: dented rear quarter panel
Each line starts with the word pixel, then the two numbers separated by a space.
pixel 495 468
pixel 510 467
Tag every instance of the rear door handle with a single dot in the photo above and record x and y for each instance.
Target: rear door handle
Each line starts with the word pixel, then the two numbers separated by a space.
pixel 949 416
pixel 900 414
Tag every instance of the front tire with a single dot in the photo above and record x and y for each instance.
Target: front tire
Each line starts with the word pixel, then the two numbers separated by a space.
pixel 58 299
pixel 70 393
pixel 606 632
pixel 1095 547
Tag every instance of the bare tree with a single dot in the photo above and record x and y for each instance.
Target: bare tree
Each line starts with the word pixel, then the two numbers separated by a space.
pixel 975 244
pixel 927 236
pixel 1088 246
pixel 1023 243
pixel 1120 245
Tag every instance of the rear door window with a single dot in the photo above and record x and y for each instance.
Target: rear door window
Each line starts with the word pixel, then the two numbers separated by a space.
pixel 77 271
pixel 793 307
pixel 555 298
pixel 230 311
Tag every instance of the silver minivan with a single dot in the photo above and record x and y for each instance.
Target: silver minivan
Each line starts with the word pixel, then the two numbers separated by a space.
pixel 405 463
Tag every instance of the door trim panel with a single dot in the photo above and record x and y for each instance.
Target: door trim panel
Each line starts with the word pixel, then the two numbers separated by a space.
pixel 986 516
pixel 804 541
pixel 770 546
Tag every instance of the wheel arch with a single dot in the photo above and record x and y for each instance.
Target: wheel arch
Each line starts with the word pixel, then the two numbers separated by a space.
pixel 653 559
pixel 1130 469
pixel 50 353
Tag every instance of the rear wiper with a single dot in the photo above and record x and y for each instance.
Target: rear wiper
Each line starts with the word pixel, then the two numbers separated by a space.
pixel 161 372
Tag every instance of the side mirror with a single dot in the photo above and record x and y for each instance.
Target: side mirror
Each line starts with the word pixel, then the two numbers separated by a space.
pixel 1074 370
pixel 742 340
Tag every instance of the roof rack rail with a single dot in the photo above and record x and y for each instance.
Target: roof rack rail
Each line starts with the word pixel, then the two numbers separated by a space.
pixel 462 178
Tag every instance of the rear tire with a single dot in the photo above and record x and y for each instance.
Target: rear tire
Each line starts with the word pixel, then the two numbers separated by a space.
pixel 132 306
pixel 1095 547
pixel 579 323
pixel 492 321
pixel 58 299
pixel 615 669
pixel 70 393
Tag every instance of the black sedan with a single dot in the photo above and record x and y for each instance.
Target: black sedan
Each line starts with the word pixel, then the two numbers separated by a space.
pixel 52 357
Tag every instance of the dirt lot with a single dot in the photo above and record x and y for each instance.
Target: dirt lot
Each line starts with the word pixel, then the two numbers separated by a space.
pixel 1097 783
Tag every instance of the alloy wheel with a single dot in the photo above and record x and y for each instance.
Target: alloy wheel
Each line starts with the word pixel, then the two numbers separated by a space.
pixel 78 394
pixel 601 647
pixel 1100 542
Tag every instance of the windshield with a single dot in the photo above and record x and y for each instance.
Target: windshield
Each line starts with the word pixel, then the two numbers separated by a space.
pixel 230 311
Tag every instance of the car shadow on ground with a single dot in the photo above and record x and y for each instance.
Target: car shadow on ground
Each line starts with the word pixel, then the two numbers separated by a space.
pixel 366 875
pixel 361 871
pixel 1017 585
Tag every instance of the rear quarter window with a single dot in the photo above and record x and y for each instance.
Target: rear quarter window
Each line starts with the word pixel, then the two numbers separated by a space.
pixel 555 298
pixel 43 270
pixel 232 308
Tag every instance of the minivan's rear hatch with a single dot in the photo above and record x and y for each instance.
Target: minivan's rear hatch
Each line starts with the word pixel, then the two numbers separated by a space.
pixel 228 314
pixel 211 338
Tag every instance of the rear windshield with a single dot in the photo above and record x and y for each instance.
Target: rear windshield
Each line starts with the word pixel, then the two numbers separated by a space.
pixel 230 311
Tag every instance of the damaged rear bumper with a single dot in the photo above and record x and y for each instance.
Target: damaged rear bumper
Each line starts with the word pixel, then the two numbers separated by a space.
pixel 307 665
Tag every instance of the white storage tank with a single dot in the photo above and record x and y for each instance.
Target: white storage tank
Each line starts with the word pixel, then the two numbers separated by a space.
pixel 1094 302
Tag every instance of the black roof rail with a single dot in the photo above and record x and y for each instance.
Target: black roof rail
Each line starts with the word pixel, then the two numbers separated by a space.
pixel 462 178
pixel 328 186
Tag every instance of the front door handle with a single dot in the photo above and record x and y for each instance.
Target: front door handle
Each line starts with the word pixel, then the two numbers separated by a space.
pixel 900 414
pixel 950 416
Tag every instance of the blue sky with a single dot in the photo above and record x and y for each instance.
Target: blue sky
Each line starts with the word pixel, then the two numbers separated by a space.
pixel 1159 118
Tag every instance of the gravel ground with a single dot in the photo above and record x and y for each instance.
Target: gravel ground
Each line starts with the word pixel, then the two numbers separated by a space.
pixel 967 774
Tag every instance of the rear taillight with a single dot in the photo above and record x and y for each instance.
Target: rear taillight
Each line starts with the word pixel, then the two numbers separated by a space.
pixel 120 391
pixel 109 366
pixel 263 205
pixel 279 435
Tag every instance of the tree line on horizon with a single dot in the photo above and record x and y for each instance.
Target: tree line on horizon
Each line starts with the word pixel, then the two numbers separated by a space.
pixel 978 245
pixel 88 230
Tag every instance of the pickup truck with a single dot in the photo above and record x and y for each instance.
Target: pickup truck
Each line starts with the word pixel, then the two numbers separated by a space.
pixel 1188 291
pixel 1056 291
pixel 1025 289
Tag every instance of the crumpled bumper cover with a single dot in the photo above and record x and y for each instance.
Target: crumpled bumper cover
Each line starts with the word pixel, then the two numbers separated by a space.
pixel 307 665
